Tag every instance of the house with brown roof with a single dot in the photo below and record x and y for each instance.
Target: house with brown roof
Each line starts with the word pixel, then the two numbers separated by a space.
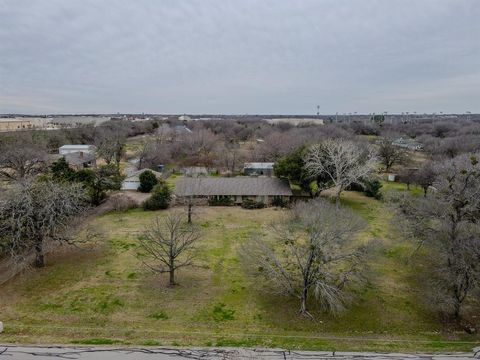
pixel 260 189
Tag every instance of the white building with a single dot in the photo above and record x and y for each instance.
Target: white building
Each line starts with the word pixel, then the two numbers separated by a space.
pixel 258 168
pixel 132 182
pixel 68 149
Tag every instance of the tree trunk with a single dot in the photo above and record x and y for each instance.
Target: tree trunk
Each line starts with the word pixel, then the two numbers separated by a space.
pixel 39 256
pixel 172 277
pixel 190 211
pixel 456 308
pixel 337 199
pixel 303 304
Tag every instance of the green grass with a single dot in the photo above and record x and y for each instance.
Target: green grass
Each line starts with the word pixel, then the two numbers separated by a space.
pixel 103 295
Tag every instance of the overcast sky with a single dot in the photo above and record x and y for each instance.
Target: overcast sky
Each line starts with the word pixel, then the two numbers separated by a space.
pixel 238 57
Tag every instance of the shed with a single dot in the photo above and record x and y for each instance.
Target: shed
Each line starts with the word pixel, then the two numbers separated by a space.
pixel 80 160
pixel 68 149
pixel 195 171
pixel 258 168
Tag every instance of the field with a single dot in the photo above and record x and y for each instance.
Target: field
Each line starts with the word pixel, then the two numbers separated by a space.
pixel 100 293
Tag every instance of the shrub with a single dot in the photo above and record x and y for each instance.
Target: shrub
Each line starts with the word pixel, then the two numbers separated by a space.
pixel 160 199
pixel 280 202
pixel 122 203
pixel 372 189
pixel 221 313
pixel 252 204
pixel 147 181
pixel 220 201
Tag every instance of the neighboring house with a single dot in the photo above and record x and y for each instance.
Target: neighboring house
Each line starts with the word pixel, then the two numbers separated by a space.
pixel 68 149
pixel 195 171
pixel 132 181
pixel 15 124
pixel 258 168
pixel 80 160
pixel 263 189
pixel 408 144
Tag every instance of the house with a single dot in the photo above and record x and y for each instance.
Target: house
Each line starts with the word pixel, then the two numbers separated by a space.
pixel 262 189
pixel 408 144
pixel 15 124
pixel 132 181
pixel 80 160
pixel 195 171
pixel 68 149
pixel 258 168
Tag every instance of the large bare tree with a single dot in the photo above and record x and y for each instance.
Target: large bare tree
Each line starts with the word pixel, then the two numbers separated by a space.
pixel 447 222
pixel 310 255
pixel 21 157
pixel 34 212
pixel 389 154
pixel 343 162
pixel 169 244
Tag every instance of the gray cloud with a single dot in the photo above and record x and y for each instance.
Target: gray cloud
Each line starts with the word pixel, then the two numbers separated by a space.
pixel 242 56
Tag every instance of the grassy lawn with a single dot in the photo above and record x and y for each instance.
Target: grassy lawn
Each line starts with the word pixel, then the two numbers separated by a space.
pixel 100 294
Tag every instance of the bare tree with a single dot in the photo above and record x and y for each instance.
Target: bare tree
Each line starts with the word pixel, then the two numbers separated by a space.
pixel 447 223
pixel 199 147
pixel 425 176
pixel 309 256
pixel 22 157
pixel 343 162
pixel 390 154
pixel 111 142
pixel 35 212
pixel 170 243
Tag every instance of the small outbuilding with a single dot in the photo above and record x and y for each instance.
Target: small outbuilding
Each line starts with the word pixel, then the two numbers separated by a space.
pixel 80 160
pixel 68 149
pixel 238 189
pixel 258 168
pixel 195 171
pixel 132 182
pixel 407 143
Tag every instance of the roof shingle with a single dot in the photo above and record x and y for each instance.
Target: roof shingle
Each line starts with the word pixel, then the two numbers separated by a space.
pixel 247 186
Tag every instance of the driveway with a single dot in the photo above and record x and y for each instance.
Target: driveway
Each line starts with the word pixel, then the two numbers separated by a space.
pixel 126 353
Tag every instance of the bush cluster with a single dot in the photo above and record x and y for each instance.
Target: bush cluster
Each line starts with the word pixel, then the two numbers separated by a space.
pixel 161 197
pixel 252 204
pixel 220 201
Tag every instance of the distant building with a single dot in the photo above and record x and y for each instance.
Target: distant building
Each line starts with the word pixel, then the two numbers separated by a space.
pixel 132 182
pixel 297 121
pixel 184 118
pixel 406 143
pixel 80 160
pixel 15 124
pixel 68 149
pixel 258 168
pixel 238 189
pixel 195 171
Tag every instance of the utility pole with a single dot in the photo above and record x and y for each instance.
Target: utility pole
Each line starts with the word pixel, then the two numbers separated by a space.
pixel 318 110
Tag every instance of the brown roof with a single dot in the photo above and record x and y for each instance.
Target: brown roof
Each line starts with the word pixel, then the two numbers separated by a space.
pixel 79 158
pixel 241 185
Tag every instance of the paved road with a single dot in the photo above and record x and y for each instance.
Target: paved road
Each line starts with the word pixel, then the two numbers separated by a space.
pixel 125 353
